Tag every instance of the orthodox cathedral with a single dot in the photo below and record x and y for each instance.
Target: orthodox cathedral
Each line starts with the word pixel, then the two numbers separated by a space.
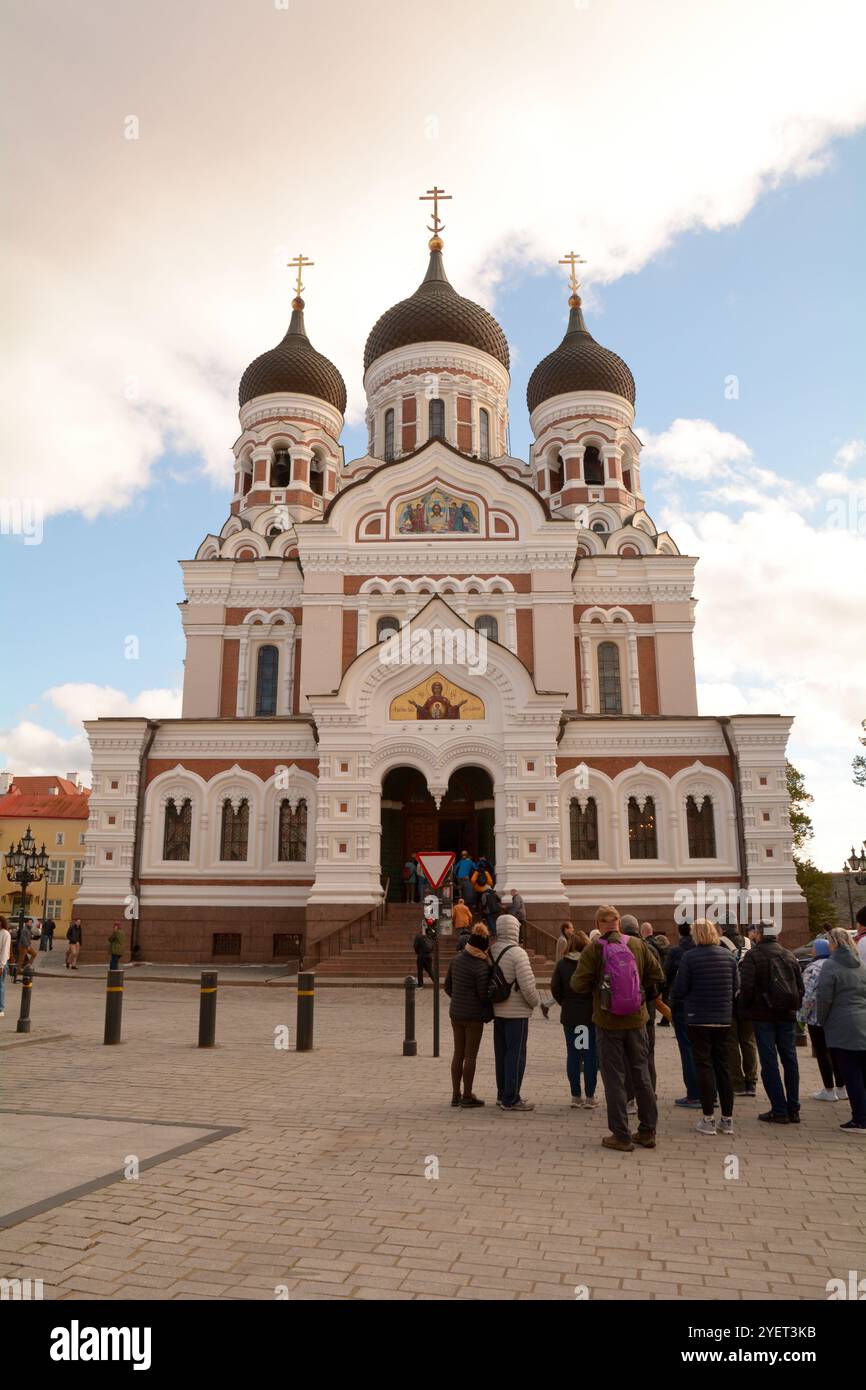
pixel 434 646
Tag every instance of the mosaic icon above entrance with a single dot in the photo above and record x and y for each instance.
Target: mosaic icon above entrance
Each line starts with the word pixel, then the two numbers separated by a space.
pixel 436 698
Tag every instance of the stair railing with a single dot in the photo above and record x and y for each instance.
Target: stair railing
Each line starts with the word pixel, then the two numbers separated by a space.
pixel 539 941
pixel 343 937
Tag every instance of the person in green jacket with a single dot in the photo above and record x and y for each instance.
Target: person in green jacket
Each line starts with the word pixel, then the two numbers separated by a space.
pixel 623 1051
pixel 116 945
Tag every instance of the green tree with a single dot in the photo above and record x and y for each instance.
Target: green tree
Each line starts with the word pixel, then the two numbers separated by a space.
pixel 858 767
pixel 815 885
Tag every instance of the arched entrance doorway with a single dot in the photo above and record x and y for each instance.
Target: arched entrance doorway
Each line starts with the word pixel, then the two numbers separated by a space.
pixel 411 820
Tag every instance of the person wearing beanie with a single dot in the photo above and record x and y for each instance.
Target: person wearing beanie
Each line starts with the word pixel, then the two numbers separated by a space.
pixel 466 986
pixel 511 1017
pixel 831 1074
pixel 771 991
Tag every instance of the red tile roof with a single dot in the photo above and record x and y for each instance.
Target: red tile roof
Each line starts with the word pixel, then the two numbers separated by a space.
pixel 41 786
pixel 45 807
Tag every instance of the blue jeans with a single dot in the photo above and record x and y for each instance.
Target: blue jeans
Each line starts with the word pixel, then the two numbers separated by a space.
pixel 687 1060
pixel 773 1039
pixel 581 1057
pixel 510 1036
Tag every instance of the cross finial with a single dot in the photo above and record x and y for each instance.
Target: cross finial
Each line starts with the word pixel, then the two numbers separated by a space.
pixel 300 262
pixel 573 260
pixel 435 196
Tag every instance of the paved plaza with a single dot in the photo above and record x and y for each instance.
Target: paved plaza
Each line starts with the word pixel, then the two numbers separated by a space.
pixel 345 1173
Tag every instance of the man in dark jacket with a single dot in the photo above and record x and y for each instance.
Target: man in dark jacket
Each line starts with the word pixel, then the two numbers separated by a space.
pixel 423 948
pixel 771 989
pixel 691 1100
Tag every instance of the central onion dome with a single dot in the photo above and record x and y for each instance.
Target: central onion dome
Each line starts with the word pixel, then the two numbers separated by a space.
pixel 294 367
pixel 579 364
pixel 436 313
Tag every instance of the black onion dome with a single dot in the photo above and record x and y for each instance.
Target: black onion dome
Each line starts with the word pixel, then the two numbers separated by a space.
pixel 579 364
pixel 436 313
pixel 294 366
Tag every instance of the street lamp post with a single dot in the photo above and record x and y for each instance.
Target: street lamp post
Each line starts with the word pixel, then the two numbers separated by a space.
pixel 855 864
pixel 25 865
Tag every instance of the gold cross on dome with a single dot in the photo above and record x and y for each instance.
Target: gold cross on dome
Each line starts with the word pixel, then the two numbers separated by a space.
pixel 573 260
pixel 435 196
pixel 301 262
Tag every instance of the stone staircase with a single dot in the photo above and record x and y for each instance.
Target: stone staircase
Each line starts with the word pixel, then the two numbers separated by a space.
pixel 388 955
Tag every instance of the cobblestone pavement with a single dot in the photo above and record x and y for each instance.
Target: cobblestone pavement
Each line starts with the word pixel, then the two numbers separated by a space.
pixel 324 1188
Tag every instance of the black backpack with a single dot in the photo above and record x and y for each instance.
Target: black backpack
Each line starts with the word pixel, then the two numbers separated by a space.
pixel 780 992
pixel 498 988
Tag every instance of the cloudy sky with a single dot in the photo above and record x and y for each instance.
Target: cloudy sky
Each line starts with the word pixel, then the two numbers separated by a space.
pixel 164 161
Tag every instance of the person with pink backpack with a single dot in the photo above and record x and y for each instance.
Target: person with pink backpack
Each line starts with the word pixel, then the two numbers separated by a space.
pixel 618 971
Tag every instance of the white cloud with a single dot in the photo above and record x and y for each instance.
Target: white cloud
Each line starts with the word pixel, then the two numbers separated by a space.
pixel 695 450
pixel 779 623
pixel 32 749
pixel 153 268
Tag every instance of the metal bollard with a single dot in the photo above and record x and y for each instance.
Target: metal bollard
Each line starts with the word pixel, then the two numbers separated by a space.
pixel 113 1007
pixel 306 1000
pixel 23 1025
pixel 207 1008
pixel 410 1046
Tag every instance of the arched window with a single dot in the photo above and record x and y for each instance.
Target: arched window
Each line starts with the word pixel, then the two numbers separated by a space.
pixel 593 468
pixel 599 527
pixel 317 474
pixel 293 833
pixel 642 843
pixel 248 481
pixel 389 435
pixel 555 470
pixel 436 419
pixel 267 666
pixel 234 831
pixel 701 828
pixel 583 825
pixel 281 468
pixel 488 625
pixel 484 434
pixel 609 689
pixel 386 625
pixel 177 832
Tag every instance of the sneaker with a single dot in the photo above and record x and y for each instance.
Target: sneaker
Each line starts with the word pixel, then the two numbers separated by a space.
pixel 824 1094
pixel 590 1102
pixel 751 1091
pixel 851 1128
pixel 688 1104
pixel 577 1102
pixel 501 1106
pixel 706 1126
pixel 455 1099
pixel 631 1108
pixel 645 1137
pixel 2 1013
pixel 841 1093
pixel 622 1146
pixel 772 1119
pixel 726 1126
pixel 471 1102
pixel 520 1105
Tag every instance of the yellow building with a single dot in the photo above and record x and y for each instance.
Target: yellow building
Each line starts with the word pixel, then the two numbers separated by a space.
pixel 56 811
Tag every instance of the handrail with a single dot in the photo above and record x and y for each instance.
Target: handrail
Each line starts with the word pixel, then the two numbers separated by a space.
pixel 540 941
pixel 342 937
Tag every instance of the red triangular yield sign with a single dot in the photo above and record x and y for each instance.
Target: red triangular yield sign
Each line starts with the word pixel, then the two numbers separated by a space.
pixel 435 866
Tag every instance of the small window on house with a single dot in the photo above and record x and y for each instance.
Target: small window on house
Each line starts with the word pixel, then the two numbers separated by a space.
pixel 484 434
pixel 642 841
pixel 609 688
pixel 267 666
pixel 293 833
pixel 583 825
pixel 281 468
pixel 436 418
pixel 593 468
pixel 488 625
pixel 57 872
pixel 77 870
pixel 60 838
pixel 386 625
pixel 389 435
pixel 177 830
pixel 701 828
pixel 234 831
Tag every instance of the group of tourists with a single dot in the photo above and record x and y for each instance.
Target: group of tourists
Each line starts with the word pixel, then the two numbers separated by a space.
pixel 736 1005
